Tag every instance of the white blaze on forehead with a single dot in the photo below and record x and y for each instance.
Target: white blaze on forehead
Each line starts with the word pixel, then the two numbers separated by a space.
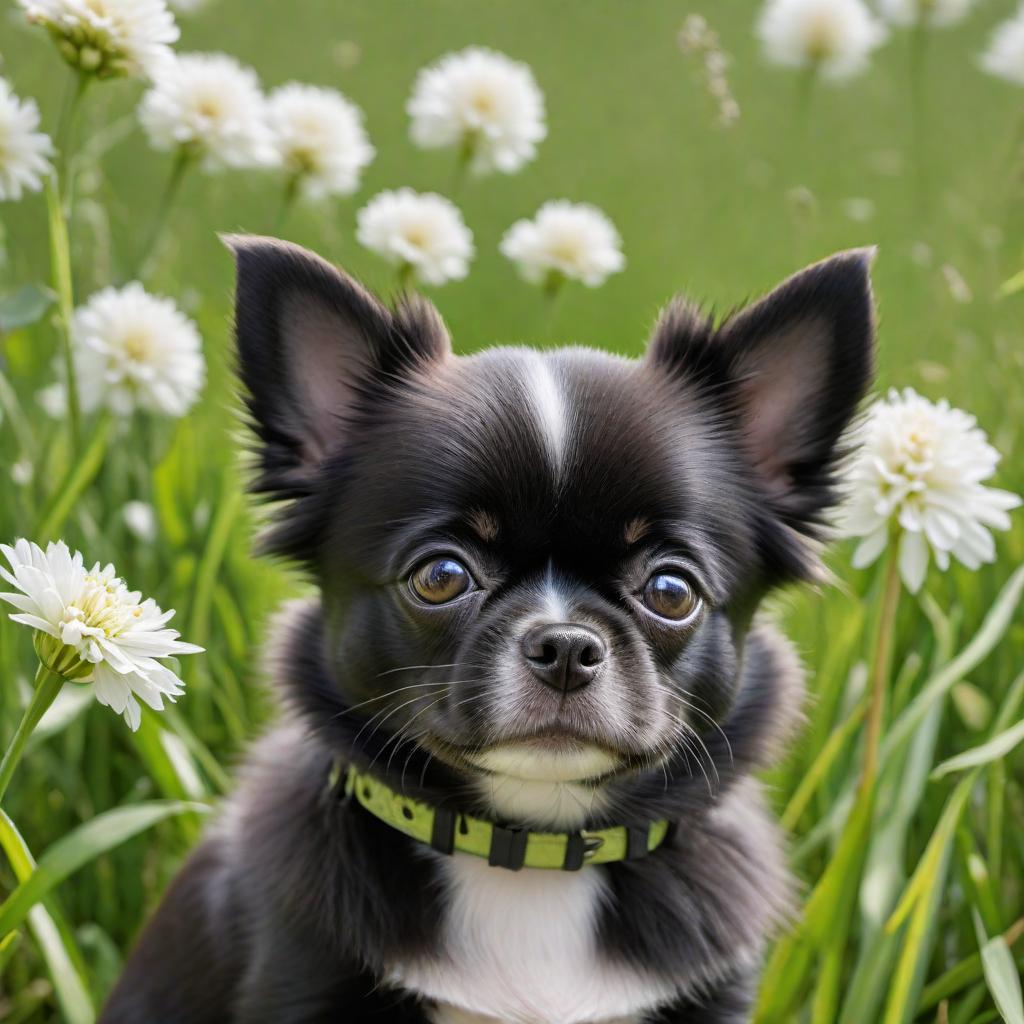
pixel 549 408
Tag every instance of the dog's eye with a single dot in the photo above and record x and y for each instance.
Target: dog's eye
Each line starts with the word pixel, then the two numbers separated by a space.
pixel 670 597
pixel 440 580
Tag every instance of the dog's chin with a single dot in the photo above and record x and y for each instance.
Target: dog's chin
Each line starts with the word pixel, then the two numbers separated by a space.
pixel 547 759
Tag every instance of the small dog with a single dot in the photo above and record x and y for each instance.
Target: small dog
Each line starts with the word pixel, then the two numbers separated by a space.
pixel 515 782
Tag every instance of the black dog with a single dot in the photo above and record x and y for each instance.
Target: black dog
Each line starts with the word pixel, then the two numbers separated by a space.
pixel 515 779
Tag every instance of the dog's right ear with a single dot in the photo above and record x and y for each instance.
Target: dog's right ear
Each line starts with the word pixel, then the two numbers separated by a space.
pixel 312 343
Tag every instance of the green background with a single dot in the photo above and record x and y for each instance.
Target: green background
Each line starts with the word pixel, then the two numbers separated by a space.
pixel 719 214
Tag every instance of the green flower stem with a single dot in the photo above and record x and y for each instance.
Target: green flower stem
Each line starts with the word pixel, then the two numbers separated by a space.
pixel 60 264
pixel 467 149
pixel 881 667
pixel 805 89
pixel 183 161
pixel 288 197
pixel 406 277
pixel 65 135
pixel 48 685
pixel 919 95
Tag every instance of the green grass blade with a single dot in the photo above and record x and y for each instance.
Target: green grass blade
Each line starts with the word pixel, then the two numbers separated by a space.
pixel 997 747
pixel 997 621
pixel 54 938
pixel 916 947
pixel 82 845
pixel 1000 974
pixel 82 472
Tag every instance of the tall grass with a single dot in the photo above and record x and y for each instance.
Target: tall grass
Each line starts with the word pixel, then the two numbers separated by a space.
pixel 915 900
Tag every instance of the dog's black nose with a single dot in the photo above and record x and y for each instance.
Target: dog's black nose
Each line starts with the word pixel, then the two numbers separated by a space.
pixel 563 655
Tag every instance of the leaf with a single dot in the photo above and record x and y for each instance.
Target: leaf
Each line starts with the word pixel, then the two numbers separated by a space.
pixel 1000 974
pixel 81 473
pixel 996 622
pixel 53 937
pixel 1012 285
pixel 916 946
pixel 997 747
pixel 24 307
pixel 82 845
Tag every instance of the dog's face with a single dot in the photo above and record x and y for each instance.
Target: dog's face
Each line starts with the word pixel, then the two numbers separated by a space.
pixel 542 564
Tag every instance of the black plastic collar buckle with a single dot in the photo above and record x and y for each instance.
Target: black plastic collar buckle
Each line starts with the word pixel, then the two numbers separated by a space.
pixel 579 848
pixel 508 847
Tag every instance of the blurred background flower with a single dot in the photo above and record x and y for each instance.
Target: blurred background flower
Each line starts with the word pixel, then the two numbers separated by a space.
pixel 108 37
pixel 1004 57
pixel 833 38
pixel 135 351
pixel 565 241
pixel 24 151
pixel 423 234
pixel 209 107
pixel 486 105
pixel 319 139
pixel 927 13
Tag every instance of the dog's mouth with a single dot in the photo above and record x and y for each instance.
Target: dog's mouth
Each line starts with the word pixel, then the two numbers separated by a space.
pixel 553 754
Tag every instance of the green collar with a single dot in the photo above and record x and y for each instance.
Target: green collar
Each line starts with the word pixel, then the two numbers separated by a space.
pixel 450 832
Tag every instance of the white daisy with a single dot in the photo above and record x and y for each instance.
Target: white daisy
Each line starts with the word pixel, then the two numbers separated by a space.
pixel 319 139
pixel 23 150
pixel 917 480
pixel 484 103
pixel 422 233
pixel 833 37
pixel 565 240
pixel 933 13
pixel 133 350
pixel 210 106
pixel 90 628
pixel 108 37
pixel 1004 57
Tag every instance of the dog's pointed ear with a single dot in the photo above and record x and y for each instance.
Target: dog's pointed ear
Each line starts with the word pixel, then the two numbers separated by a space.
pixel 794 366
pixel 311 343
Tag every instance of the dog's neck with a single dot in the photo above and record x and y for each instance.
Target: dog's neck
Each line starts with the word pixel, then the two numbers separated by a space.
pixel 750 736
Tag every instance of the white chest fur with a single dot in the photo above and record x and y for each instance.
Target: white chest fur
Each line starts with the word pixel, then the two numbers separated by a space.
pixel 521 947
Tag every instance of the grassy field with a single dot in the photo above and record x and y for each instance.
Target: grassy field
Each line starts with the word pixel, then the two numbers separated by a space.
pixel 718 213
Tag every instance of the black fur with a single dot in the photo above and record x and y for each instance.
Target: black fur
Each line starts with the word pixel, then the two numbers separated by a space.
pixel 716 455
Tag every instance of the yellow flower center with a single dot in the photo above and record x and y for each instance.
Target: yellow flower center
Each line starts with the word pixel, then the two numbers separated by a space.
pixel 821 37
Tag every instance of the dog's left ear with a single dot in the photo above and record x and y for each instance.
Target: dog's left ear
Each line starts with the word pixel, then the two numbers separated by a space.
pixel 795 366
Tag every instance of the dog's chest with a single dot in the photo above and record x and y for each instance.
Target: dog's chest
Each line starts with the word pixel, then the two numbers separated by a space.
pixel 523 947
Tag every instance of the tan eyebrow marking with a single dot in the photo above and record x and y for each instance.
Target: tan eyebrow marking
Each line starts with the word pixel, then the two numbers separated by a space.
pixel 483 524
pixel 635 529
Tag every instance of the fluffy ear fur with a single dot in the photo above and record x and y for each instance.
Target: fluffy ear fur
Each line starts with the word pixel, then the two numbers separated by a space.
pixel 792 368
pixel 311 341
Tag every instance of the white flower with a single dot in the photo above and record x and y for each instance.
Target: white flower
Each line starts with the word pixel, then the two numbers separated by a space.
pixel 933 13
pixel 319 139
pixel 571 240
pixel 483 102
pixel 133 350
pixel 91 628
pixel 1004 57
pixel 918 474
pixel 108 37
pixel 23 150
pixel 140 518
pixel 834 37
pixel 212 106
pixel 423 233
